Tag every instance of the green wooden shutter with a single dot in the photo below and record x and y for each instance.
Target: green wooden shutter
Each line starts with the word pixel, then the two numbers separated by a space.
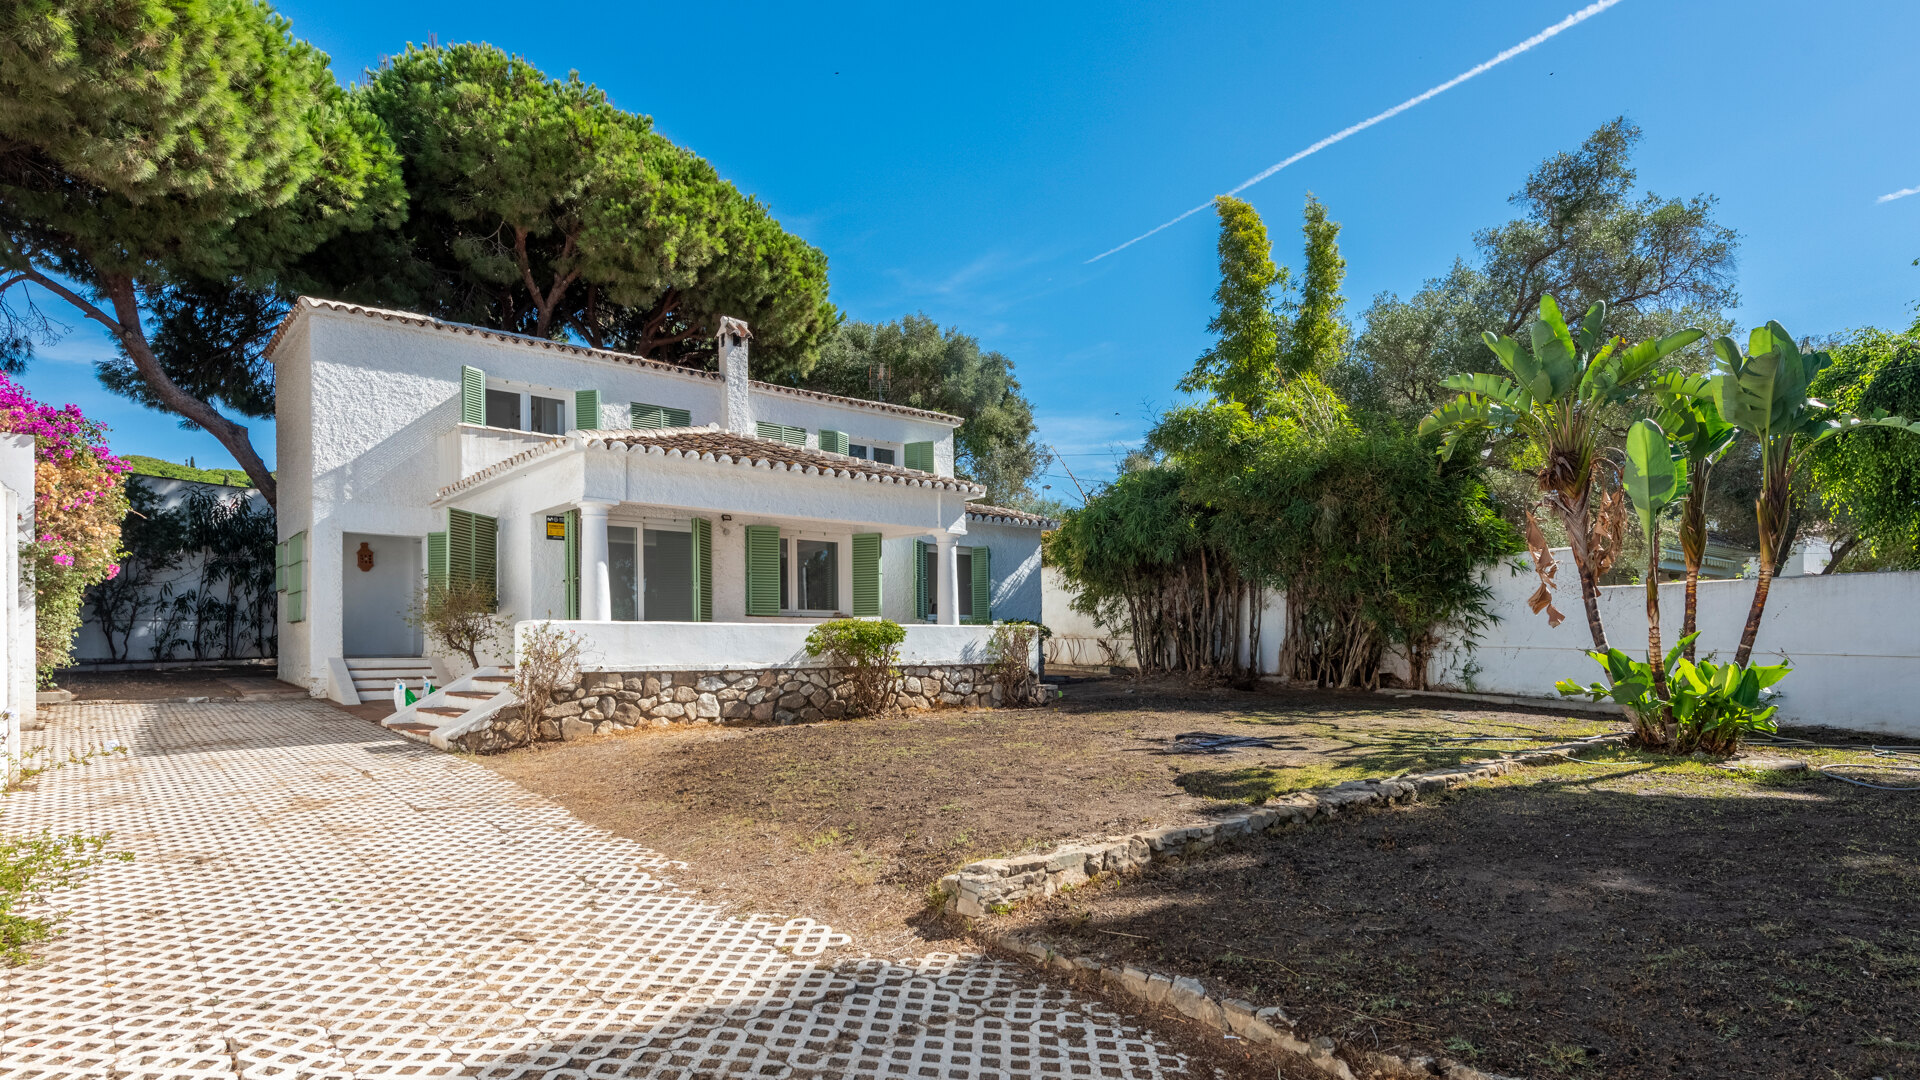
pixel 919 456
pixel 866 575
pixel 792 436
pixel 982 585
pixel 763 569
pixel 834 442
pixel 472 544
pixel 922 588
pixel 437 561
pixel 659 416
pixel 570 583
pixel 586 409
pixel 473 396
pixel 297 577
pixel 702 570
pixel 280 567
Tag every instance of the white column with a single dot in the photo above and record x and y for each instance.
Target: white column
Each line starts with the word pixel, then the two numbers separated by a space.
pixel 946 597
pixel 596 590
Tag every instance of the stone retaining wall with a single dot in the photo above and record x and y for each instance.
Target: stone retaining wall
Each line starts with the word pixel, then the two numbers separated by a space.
pixel 606 701
pixel 995 885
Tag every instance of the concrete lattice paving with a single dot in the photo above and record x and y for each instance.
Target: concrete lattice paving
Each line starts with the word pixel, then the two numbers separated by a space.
pixel 311 897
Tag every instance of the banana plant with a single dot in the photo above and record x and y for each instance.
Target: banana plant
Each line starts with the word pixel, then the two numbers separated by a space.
pixel 1698 435
pixel 1764 393
pixel 1652 484
pixel 1554 390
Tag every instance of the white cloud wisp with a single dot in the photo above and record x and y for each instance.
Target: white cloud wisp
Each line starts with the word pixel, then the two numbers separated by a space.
pixel 1570 21
pixel 1901 194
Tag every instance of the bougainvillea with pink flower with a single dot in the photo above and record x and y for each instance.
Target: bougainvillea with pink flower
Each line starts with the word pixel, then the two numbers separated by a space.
pixel 78 504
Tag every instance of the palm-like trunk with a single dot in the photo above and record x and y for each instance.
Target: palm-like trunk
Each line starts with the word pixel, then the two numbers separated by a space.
pixel 1693 544
pixel 1772 512
pixel 1655 656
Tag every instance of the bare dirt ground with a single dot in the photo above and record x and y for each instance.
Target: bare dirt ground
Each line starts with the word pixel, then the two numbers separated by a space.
pixel 852 822
pixel 1631 918
pixel 235 682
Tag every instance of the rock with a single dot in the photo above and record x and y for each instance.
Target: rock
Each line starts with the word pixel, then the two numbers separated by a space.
pixel 1767 763
pixel 910 684
pixel 1189 998
pixel 792 701
pixel 735 710
pixel 1086 965
pixel 710 683
pixel 571 729
pixel 567 708
pixel 708 707
pixel 669 710
pixel 763 712
pixel 1159 987
pixel 685 695
pixel 1134 981
pixel 604 727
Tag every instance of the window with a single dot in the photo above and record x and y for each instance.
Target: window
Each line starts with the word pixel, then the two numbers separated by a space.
pixel 883 455
pixel 549 415
pixel 817 583
pixel 503 409
pixel 857 450
pixel 669 576
pixel 623 572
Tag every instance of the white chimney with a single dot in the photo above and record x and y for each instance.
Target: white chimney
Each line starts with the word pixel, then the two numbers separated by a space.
pixel 731 343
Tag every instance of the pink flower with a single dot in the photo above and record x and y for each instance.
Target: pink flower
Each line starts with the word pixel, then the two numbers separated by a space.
pixel 63 559
pixel 113 571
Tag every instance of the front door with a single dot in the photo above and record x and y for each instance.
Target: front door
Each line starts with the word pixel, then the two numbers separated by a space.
pixel 381 584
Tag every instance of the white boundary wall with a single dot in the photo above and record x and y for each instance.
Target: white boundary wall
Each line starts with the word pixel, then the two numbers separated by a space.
pixel 1853 640
pixel 18 662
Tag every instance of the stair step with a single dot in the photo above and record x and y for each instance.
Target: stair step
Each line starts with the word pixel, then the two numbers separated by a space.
pixel 413 728
pixel 437 711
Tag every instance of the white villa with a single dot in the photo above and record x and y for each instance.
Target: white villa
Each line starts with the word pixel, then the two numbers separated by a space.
pixel 678 519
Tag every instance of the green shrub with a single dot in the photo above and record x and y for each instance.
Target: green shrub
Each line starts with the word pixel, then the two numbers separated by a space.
pixel 869 651
pixel 1713 705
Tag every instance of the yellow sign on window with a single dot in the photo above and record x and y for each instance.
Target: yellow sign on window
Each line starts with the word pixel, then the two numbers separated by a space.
pixel 556 528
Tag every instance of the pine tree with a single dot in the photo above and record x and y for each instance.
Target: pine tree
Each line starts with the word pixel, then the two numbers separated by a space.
pixel 146 143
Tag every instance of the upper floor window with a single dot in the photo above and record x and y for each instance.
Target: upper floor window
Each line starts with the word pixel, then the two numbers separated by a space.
pixel 883 455
pixel 522 411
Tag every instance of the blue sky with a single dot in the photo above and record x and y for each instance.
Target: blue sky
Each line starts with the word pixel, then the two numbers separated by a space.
pixel 966 161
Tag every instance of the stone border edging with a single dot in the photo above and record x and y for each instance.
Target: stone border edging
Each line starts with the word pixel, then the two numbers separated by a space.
pixel 1270 1026
pixel 993 886
pixel 1610 708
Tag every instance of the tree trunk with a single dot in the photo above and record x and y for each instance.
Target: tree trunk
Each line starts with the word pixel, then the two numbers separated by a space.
pixel 1759 608
pixel 1655 655
pixel 1688 625
pixel 1846 547
pixel 1590 596
pixel 125 326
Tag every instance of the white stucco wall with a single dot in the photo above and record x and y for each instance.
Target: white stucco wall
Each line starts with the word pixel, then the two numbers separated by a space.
pixel 1853 639
pixel 17 656
pixel 90 644
pixel 367 405
pixel 663 646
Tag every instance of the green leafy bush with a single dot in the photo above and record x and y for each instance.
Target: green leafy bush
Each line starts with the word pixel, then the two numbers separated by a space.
pixel 1712 705
pixel 869 651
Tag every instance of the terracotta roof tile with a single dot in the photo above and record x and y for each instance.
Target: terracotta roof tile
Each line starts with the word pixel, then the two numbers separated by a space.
pixel 1000 515
pixel 712 444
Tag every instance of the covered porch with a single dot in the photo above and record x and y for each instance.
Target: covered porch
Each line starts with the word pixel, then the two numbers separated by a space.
pixel 695 525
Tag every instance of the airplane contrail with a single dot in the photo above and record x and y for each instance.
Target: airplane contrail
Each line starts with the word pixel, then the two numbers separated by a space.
pixel 1572 20
pixel 1901 194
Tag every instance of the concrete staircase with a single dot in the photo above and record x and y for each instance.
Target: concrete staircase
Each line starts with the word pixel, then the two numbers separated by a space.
pixel 373 676
pixel 456 708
